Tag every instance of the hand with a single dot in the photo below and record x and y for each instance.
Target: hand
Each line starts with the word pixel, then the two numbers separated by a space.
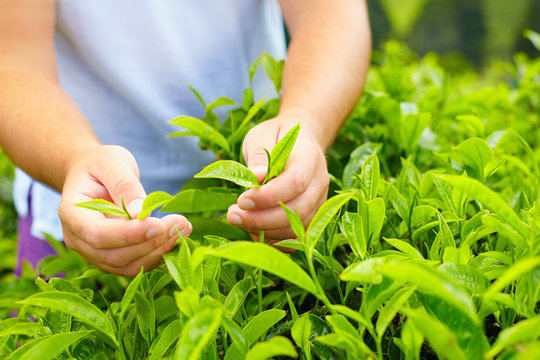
pixel 303 185
pixel 113 244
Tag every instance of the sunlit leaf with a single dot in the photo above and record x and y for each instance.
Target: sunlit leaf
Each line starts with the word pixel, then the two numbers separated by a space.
pixel 275 346
pixel 301 331
pixel 164 341
pixel 230 171
pixel 280 153
pixel 103 206
pixel 46 348
pixel 323 217
pixel 75 306
pixel 269 259
pixel 153 201
pixel 201 129
pixel 488 198
pixel 197 333
pixel 261 323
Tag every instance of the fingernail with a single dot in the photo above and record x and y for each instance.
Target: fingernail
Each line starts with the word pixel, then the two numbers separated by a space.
pixel 235 220
pixel 153 232
pixel 246 204
pixel 135 207
pixel 259 170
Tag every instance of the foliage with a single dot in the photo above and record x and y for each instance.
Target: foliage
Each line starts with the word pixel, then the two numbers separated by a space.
pixel 429 245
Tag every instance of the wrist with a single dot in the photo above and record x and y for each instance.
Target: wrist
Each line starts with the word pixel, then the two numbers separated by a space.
pixel 310 125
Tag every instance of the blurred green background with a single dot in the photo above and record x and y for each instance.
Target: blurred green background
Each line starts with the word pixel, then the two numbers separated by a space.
pixel 479 29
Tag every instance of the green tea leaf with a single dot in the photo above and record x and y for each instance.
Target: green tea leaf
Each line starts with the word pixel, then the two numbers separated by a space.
pixel 406 248
pixel 488 198
pixel 412 126
pixel 280 153
pixel 534 37
pixel 230 171
pixel 296 223
pixel 475 153
pixel 515 271
pixel 525 330
pixel 201 129
pixel 440 337
pixel 424 278
pixel 356 161
pixel 49 347
pixel 22 328
pixel 392 307
pixel 130 293
pixel 146 316
pixel 353 228
pixel 239 347
pixel 220 101
pixel 275 346
pixel 272 67
pixel 153 201
pixel 301 331
pixel 324 215
pixel 237 295
pixel 261 323
pixel 197 333
pixel 373 214
pixel 469 277
pixel 370 174
pixel 493 222
pixel 164 341
pixel 292 308
pixel 399 203
pixel 269 259
pixel 240 131
pixel 197 94
pixel 75 306
pixel 103 206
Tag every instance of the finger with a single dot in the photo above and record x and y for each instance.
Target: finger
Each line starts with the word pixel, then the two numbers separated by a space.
pixel 100 232
pixel 149 262
pixel 256 142
pixel 297 177
pixel 285 232
pixel 275 217
pixel 118 257
pixel 120 176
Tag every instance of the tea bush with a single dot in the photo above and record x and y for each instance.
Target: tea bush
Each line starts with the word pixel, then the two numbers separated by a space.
pixel 428 247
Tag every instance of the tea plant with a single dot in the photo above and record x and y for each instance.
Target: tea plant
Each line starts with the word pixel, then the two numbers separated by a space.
pixel 428 247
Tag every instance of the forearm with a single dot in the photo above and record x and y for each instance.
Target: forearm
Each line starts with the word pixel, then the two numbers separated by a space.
pixel 41 128
pixel 326 65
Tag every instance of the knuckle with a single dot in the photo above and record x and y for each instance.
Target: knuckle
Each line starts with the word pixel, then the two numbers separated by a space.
pixel 93 240
pixel 255 222
pixel 113 259
pixel 299 182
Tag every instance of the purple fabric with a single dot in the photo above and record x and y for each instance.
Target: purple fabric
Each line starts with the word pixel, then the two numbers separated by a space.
pixel 30 248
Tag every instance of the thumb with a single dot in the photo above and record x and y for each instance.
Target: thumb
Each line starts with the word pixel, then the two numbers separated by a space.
pixel 256 143
pixel 120 175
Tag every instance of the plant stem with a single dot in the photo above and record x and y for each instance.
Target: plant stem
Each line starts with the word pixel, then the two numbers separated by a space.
pixel 320 292
pixel 224 339
pixel 259 290
pixel 260 277
pixel 135 339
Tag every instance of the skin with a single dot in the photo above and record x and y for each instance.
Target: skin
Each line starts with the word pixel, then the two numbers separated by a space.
pixel 325 69
pixel 318 93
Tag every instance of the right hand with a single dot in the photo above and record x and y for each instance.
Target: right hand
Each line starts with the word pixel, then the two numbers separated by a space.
pixel 113 244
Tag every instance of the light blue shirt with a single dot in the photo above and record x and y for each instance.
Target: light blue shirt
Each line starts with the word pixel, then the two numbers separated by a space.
pixel 126 64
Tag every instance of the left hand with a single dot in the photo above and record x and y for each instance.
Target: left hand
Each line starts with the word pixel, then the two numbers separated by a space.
pixel 302 186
